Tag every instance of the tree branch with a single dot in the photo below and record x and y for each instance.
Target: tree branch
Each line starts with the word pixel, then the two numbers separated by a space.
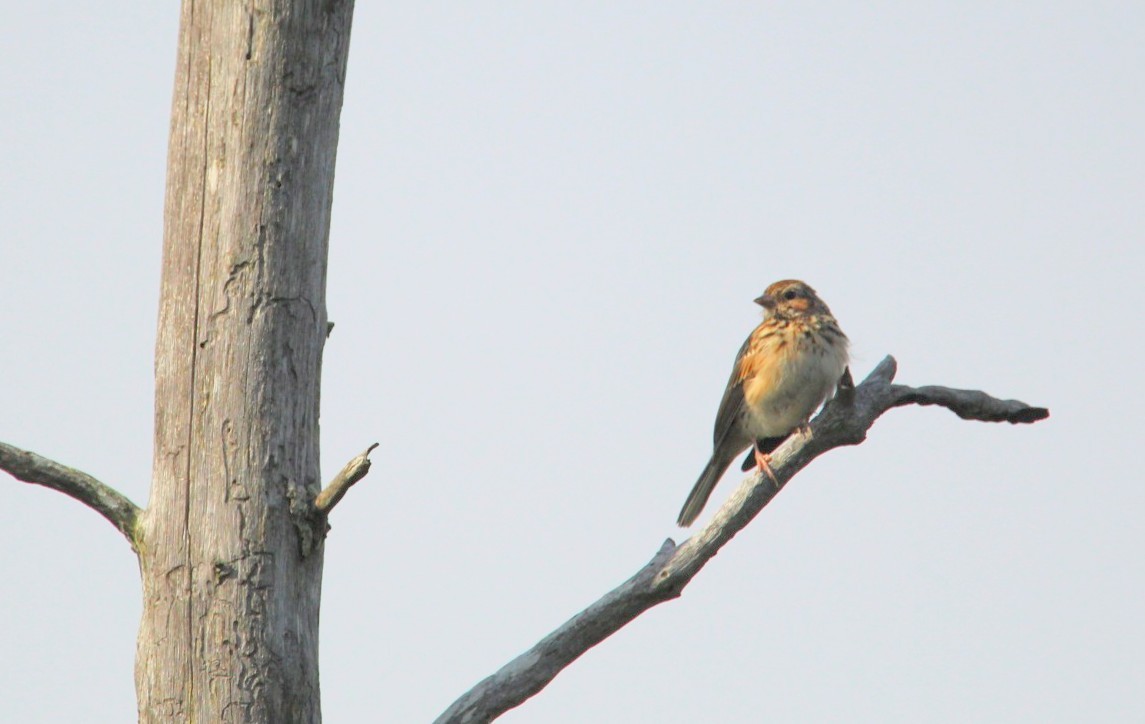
pixel 351 473
pixel 103 499
pixel 844 421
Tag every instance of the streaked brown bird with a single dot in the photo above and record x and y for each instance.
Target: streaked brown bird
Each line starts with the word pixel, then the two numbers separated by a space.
pixel 788 366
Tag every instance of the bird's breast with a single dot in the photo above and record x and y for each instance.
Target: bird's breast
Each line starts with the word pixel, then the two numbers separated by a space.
pixel 783 385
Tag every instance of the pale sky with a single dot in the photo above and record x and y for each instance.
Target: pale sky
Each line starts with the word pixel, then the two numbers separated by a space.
pixel 550 220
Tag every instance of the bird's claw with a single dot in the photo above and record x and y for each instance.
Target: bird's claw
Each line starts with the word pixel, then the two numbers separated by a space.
pixel 763 460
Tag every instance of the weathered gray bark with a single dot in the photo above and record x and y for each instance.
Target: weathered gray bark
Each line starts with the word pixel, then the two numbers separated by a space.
pixel 230 544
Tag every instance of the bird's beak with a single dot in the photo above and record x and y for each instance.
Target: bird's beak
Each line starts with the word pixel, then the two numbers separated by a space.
pixel 766 301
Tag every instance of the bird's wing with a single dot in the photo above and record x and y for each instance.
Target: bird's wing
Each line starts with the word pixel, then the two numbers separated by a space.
pixel 731 407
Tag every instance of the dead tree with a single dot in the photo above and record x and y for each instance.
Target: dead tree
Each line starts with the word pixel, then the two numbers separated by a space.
pixel 230 545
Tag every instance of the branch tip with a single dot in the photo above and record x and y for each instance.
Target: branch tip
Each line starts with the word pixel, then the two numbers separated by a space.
pixel 884 370
pixel 350 473
pixel 1029 415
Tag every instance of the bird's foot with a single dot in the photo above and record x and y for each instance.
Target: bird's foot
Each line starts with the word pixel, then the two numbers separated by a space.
pixel 763 460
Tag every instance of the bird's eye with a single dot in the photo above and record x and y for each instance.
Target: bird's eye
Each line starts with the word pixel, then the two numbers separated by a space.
pixel 790 294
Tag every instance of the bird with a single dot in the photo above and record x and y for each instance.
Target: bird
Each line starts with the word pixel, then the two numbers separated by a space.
pixel 788 366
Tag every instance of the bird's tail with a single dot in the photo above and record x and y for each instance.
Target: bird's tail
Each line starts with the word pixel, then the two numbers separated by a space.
pixel 702 490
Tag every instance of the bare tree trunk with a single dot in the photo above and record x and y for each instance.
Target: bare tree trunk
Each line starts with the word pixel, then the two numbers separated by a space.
pixel 230 545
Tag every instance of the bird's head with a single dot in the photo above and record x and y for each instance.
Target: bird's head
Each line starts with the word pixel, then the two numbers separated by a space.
pixel 791 297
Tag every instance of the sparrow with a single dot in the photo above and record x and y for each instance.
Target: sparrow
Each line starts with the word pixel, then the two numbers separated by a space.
pixel 784 371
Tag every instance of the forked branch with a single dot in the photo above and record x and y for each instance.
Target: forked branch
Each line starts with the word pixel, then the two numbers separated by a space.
pixel 844 421
pixel 103 499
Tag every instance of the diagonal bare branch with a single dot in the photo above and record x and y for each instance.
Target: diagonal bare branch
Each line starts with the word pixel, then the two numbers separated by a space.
pixel 844 421
pixel 103 499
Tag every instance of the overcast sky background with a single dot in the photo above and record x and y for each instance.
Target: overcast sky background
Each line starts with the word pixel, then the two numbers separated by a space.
pixel 550 220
